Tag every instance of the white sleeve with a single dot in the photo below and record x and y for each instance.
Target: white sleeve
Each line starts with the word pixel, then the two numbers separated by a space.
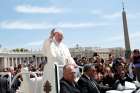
pixel 46 46
pixel 52 50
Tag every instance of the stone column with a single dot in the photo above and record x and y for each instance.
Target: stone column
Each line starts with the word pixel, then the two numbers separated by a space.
pixel 16 62
pixel 20 60
pixel 11 61
pixel 8 63
pixel 5 62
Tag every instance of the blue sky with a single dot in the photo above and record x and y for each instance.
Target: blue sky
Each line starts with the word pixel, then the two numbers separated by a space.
pixel 89 23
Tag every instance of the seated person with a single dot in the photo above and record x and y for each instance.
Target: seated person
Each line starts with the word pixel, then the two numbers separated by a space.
pixel 87 81
pixel 67 83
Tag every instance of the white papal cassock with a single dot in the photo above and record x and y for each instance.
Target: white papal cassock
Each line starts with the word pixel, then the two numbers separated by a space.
pixel 56 53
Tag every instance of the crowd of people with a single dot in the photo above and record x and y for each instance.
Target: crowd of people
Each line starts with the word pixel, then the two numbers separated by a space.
pixel 99 75
pixel 106 74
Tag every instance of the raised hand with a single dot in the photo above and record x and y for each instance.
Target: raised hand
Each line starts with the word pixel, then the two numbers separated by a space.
pixel 52 33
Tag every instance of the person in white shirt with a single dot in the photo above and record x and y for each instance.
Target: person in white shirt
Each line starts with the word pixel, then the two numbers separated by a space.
pixel 56 52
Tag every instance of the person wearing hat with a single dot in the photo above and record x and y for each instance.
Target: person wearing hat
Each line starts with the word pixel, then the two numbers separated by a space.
pixel 56 52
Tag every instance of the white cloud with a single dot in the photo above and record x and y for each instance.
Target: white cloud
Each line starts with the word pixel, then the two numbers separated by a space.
pixel 34 43
pixel 113 15
pixel 117 15
pixel 104 15
pixel 43 25
pixel 24 25
pixel 36 9
pixel 81 25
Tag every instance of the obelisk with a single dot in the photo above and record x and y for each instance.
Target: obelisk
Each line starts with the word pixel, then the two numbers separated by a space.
pixel 126 34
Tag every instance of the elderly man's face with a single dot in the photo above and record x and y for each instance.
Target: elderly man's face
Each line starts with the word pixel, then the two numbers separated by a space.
pixel 69 74
pixel 58 37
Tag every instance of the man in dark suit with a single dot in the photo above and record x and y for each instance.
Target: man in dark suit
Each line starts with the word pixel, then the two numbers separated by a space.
pixel 67 83
pixel 4 86
pixel 87 81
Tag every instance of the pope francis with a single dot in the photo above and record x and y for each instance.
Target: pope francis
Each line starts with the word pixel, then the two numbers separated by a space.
pixel 56 52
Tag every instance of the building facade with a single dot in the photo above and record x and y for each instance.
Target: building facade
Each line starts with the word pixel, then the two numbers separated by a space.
pixel 102 52
pixel 13 58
